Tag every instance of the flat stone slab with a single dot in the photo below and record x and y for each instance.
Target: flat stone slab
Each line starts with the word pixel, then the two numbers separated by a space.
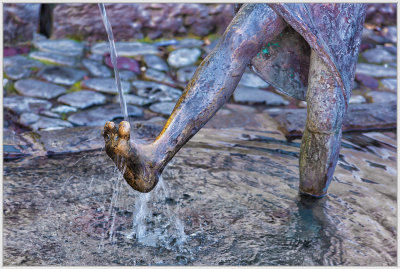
pixel 155 62
pixel 98 116
pixel 376 71
pixel 188 43
pixel 46 123
pixel 82 99
pixel 252 80
pixel 381 97
pixel 61 46
pixel 251 95
pixel 54 58
pixel 127 49
pixel 15 146
pixel 357 99
pixel 164 108
pixel 134 100
pixel 123 63
pixel 360 117
pixel 17 72
pixel 158 76
pixel 61 75
pixel 127 75
pixel 105 85
pixel 390 83
pixel 20 104
pixel 63 109
pixel 21 61
pixel 156 91
pixel 379 55
pixel 96 69
pixel 37 88
pixel 183 57
pixel 185 74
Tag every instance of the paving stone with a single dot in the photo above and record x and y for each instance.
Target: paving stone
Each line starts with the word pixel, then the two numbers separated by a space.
pixel 105 85
pixel 95 57
pixel 360 117
pixel 20 104
pixel 28 118
pixel 134 100
pixel 165 43
pixel 98 116
pixel 45 123
pixel 155 62
pixel 21 61
pixel 17 72
pixel 50 114
pixel 96 69
pixel 61 75
pixel 367 81
pixel 390 33
pixel 375 70
pixel 391 49
pixel 378 55
pixel 126 49
pixel 54 58
pixel 381 97
pixel 63 109
pixel 369 35
pixel 390 84
pixel 188 43
pixel 123 63
pixel 152 74
pixel 185 74
pixel 252 95
pixel 164 108
pixel 249 79
pixel 183 57
pixel 82 99
pixel 60 46
pixel 156 91
pixel 357 99
pixel 37 88
pixel 127 75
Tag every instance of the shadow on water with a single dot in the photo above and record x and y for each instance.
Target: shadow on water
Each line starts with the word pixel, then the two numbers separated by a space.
pixel 227 198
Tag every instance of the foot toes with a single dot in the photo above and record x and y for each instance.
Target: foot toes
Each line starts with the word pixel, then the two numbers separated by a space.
pixel 124 130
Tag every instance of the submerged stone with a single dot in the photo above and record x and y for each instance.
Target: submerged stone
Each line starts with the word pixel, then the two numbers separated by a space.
pixel 155 62
pixel 53 58
pixel 156 91
pixel 21 61
pixel 82 99
pixel 37 88
pixel 98 116
pixel 244 94
pixel 17 72
pixel 20 104
pixel 252 80
pixel 96 69
pixel 378 55
pixel 63 109
pixel 61 75
pixel 126 49
pixel 152 74
pixel 375 70
pixel 60 46
pixel 186 73
pixel 134 100
pixel 183 57
pixel 105 85
pixel 164 108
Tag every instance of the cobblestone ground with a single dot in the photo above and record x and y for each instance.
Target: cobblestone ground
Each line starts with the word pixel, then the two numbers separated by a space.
pixel 60 84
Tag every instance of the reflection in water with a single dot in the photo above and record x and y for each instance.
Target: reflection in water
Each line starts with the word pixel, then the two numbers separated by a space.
pixel 228 198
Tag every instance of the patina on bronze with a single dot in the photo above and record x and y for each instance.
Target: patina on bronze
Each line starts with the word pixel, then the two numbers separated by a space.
pixel 308 51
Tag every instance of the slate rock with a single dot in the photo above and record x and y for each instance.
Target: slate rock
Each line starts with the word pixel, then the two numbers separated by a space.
pixel 369 35
pixel 21 61
pixel 95 57
pixel 378 55
pixel 183 57
pixel 134 100
pixel 45 123
pixel 65 47
pixel 188 43
pixel 96 69
pixel 100 115
pixel 54 58
pixel 249 79
pixel 40 89
pixel 20 104
pixel 390 33
pixel 123 63
pixel 367 81
pixel 244 94
pixel 17 72
pixel 390 83
pixel 391 49
pixel 357 99
pixel 63 109
pixel 185 74
pixel 156 91
pixel 155 62
pixel 154 75
pixel 82 99
pixel 49 114
pixel 28 118
pixel 61 75
pixel 164 108
pixel 105 85
pixel 381 97
pixel 126 49
pixel 375 70
pixel 127 75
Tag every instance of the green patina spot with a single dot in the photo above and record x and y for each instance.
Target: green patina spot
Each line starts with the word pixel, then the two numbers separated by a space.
pixel 265 51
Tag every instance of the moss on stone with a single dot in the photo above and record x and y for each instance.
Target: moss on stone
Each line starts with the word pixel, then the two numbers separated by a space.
pixel 76 87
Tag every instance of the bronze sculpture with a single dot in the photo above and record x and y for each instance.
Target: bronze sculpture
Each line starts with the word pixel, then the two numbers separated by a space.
pixel 308 51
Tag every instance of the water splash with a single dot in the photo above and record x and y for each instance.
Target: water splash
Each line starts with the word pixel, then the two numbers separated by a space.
pixel 113 54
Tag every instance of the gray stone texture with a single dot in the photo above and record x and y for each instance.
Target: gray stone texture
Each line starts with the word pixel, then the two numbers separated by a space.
pixel 381 97
pixel 126 75
pixel 183 57
pixel 134 100
pixel 375 70
pixel 125 49
pixel 37 88
pixel 164 108
pixel 17 72
pixel 63 109
pixel 378 55
pixel 61 75
pixel 158 76
pixel 156 91
pixel 53 58
pixel 185 74
pixel 251 95
pixel 249 79
pixel 155 62
pixel 105 85
pixel 390 84
pixel 20 104
pixel 65 47
pixel 96 69
pixel 82 99
pixel 21 61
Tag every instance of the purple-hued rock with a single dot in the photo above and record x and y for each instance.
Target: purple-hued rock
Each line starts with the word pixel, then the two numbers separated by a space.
pixel 123 63
pixel 367 81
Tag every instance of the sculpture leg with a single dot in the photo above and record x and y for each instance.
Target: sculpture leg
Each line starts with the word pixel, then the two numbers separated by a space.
pixel 213 83
pixel 320 144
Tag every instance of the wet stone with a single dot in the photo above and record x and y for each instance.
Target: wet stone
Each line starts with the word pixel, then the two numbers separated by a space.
pixel 156 91
pixel 98 116
pixel 17 72
pixel 244 94
pixel 381 97
pixel 96 69
pixel 378 55
pixel 82 99
pixel 40 89
pixel 188 43
pixel 63 109
pixel 134 100
pixel 155 62
pixel 375 70
pixel 367 81
pixel 164 108
pixel 61 75
pixel 183 57
pixel 53 58
pixel 45 123
pixel 127 49
pixel 127 75
pixel 152 74
pixel 250 79
pixel 20 104
pixel 105 85
pixel 186 73
pixel 21 61
pixel 357 99
pixel 390 83
pixel 61 46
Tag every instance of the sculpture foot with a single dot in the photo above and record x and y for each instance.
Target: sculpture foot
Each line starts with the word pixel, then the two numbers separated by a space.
pixel 132 159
